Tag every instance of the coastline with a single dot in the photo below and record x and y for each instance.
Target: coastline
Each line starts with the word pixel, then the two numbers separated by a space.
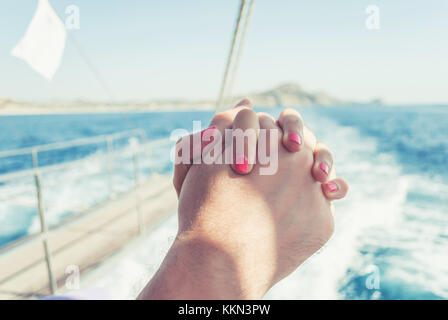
pixel 23 110
pixel 286 95
pixel 64 111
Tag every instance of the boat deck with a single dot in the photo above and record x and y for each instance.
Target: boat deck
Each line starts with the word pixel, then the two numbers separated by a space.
pixel 86 241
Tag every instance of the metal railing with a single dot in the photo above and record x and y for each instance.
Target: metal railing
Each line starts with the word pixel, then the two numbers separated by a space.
pixel 36 174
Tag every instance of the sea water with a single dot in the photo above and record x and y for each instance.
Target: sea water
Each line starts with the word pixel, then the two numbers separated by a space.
pixel 391 238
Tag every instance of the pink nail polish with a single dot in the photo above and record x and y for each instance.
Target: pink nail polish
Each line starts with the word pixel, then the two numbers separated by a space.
pixel 241 164
pixel 324 167
pixel 205 130
pixel 332 187
pixel 293 136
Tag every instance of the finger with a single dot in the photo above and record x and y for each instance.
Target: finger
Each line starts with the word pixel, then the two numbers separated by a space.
pixel 220 121
pixel 335 189
pixel 245 135
pixel 267 121
pixel 188 152
pixel 180 172
pixel 323 162
pixel 292 124
pixel 244 103
pixel 269 140
pixel 310 138
pixel 190 147
pixel 183 158
pixel 224 120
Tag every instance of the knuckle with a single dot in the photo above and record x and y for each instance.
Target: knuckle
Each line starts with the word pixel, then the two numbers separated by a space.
pixel 292 122
pixel 266 120
pixel 265 115
pixel 221 118
pixel 343 187
pixel 330 155
pixel 245 113
pixel 289 115
pixel 292 112
pixel 327 153
pixel 284 114
pixel 244 102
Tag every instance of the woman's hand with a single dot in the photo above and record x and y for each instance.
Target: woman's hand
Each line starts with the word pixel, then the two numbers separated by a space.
pixel 240 234
pixel 292 133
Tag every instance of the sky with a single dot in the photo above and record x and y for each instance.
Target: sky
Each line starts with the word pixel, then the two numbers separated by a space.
pixel 177 49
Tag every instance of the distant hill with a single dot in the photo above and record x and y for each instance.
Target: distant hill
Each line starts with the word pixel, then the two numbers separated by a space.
pixel 289 94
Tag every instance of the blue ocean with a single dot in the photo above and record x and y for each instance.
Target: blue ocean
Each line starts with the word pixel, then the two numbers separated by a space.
pixel 391 238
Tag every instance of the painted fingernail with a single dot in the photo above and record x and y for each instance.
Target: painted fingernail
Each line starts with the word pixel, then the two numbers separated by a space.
pixel 332 187
pixel 206 130
pixel 241 164
pixel 324 167
pixel 293 136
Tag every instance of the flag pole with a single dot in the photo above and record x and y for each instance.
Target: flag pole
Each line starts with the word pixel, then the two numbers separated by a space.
pixel 239 52
pixel 231 53
pixel 95 72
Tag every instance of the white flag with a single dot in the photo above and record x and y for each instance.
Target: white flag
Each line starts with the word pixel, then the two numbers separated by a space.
pixel 43 43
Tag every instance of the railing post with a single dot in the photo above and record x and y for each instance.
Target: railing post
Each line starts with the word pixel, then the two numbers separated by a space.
pixel 110 167
pixel 44 230
pixel 137 190
pixel 35 159
pixel 144 143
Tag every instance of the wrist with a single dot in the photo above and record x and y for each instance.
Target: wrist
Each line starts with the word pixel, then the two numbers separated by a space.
pixel 197 268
